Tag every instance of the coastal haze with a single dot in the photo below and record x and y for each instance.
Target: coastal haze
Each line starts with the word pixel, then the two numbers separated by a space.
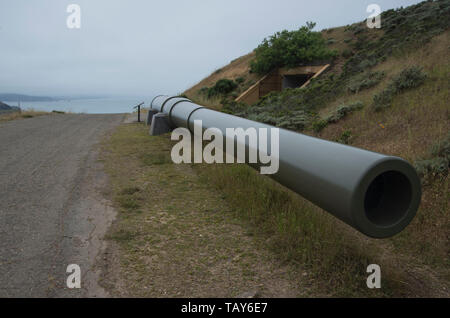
pixel 138 49
pixel 111 105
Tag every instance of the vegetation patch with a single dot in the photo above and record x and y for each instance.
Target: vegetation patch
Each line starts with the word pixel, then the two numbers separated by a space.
pixel 177 236
pixel 404 29
pixel 290 49
pixel 156 158
pixel 343 110
pixel 222 87
pixel 21 115
pixel 438 162
pixel 345 137
pixel 300 233
pixel 292 108
pixel 364 81
pixel 335 116
pixel 409 78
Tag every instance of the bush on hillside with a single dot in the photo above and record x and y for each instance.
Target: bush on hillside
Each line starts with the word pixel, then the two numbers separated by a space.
pixel 340 112
pixel 222 87
pixel 409 78
pixel 365 81
pixel 345 137
pixel 290 49
pixel 439 161
pixel 319 125
pixel 295 120
pixel 344 110
pixel 240 80
pixel 346 53
pixel 383 99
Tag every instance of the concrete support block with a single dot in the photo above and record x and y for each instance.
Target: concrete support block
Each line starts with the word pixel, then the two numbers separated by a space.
pixel 160 124
pixel 151 113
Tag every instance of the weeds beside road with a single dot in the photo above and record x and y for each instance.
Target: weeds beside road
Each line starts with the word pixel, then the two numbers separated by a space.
pixel 176 236
pixel 222 230
pixel 21 115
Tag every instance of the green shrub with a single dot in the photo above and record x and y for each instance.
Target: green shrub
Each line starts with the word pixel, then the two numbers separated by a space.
pixel 235 108
pixel 222 87
pixel 435 166
pixel 345 137
pixel 365 81
pixel 204 90
pixel 290 48
pixel 439 161
pixel 358 28
pixel 409 78
pixel 383 99
pixel 442 149
pixel 297 120
pixel 342 111
pixel 319 125
pixel 331 41
pixel 347 53
pixel 240 80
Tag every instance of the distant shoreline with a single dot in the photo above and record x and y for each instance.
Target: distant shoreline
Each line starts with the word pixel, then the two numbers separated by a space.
pixel 12 97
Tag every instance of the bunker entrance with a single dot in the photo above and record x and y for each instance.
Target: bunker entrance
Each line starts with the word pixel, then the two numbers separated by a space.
pixel 293 81
pixel 279 79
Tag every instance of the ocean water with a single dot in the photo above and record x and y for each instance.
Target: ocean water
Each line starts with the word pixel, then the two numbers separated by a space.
pixel 89 106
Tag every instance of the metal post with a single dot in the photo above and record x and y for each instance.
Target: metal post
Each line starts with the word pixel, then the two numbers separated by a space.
pixel 139 113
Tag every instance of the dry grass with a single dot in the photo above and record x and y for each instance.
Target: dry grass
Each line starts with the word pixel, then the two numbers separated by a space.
pixel 177 237
pixel 201 99
pixel 21 115
pixel 417 119
pixel 415 262
pixel 237 68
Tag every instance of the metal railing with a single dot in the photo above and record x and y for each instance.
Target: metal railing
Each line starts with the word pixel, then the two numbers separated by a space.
pixel 139 111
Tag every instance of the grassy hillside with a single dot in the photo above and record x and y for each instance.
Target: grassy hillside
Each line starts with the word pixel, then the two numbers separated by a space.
pixel 238 69
pixel 387 91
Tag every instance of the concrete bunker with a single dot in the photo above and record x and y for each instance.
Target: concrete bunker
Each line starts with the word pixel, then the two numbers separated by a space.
pixel 280 79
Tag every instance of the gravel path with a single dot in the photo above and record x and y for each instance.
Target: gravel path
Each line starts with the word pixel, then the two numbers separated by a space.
pixel 52 213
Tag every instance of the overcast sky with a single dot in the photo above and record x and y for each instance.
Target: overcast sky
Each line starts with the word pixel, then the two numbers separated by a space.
pixel 145 47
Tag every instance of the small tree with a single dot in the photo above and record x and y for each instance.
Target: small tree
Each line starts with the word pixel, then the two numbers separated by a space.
pixel 222 87
pixel 290 48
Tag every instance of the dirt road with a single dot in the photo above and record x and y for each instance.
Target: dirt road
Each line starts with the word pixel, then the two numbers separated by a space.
pixel 52 213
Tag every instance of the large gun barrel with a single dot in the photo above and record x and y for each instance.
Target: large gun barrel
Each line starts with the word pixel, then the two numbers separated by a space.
pixel 376 194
